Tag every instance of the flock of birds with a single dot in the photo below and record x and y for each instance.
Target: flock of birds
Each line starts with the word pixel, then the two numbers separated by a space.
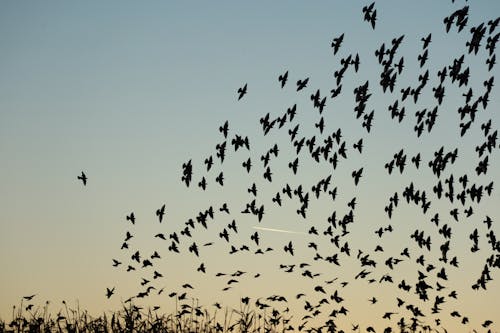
pixel 331 148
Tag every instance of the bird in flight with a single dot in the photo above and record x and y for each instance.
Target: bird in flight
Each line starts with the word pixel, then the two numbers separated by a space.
pixel 224 129
pixel 242 91
pixel 289 248
pixel 83 178
pixel 160 212
pixel 131 218
pixel 282 79
pixel 336 43
pixel 370 15
pixel 301 84
pixel 110 292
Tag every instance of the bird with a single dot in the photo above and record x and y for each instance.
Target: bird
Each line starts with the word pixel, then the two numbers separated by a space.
pixel 388 315
pixel 131 218
pixel 336 43
pixel 356 175
pixel 255 237
pixel 282 79
pixel 370 14
pixel 247 165
pixel 301 84
pixel 426 41
pixel 160 212
pixel 294 165
pixel 209 162
pixel 83 178
pixel 242 91
pixel 110 292
pixel 224 129
pixel 359 145
pixel 202 183
pixel 220 178
pixel 289 248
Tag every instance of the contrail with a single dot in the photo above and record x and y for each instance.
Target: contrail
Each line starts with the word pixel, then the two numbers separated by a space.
pixel 279 230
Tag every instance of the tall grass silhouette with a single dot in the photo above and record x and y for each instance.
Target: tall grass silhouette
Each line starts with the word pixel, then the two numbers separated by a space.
pixel 188 316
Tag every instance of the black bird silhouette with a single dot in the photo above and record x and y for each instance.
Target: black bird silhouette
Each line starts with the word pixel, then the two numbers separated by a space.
pixel 267 174
pixel 289 248
pixel 187 172
pixel 247 165
pixel 359 145
pixel 294 165
pixel 426 41
pixel 209 162
pixel 203 183
pixel 194 249
pixel 160 212
pixel 277 199
pixel 336 43
pixel 224 129
pixel 131 218
pixel 128 236
pixel 422 58
pixel 255 237
pixel 201 268
pixel 355 63
pixel 232 226
pixel 83 178
pixel 242 91
pixel 356 175
pixel 224 235
pixel 282 79
pixel 370 15
pixel 388 315
pixel 110 292
pixel 220 179
pixel 301 84
pixel 136 256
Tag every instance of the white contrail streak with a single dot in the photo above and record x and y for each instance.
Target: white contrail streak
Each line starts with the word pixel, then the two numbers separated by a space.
pixel 279 230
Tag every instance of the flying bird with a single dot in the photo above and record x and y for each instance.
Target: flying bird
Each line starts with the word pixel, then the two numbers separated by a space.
pixel 110 292
pixel 160 212
pixel 83 178
pixel 282 79
pixel 242 91
pixel 131 218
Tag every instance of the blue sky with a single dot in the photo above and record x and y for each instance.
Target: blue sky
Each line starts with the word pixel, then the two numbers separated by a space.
pixel 128 92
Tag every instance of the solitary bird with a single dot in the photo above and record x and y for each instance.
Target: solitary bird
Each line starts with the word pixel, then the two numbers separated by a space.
pixel 242 91
pixel 131 218
pixel 282 79
pixel 110 292
pixel 160 212
pixel 83 178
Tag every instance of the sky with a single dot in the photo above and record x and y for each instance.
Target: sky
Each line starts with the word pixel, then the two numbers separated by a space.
pixel 128 92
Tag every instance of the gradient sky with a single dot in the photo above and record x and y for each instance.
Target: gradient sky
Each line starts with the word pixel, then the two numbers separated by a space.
pixel 127 92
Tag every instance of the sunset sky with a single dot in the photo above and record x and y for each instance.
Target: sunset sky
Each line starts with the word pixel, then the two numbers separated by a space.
pixel 127 92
